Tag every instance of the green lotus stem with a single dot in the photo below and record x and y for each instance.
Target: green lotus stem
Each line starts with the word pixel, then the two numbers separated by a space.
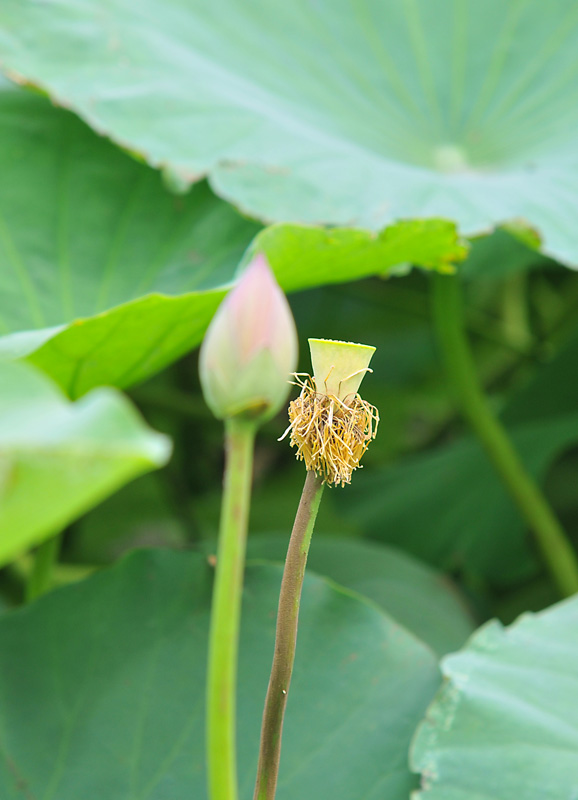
pixel 286 638
pixel 226 611
pixel 550 536
pixel 44 561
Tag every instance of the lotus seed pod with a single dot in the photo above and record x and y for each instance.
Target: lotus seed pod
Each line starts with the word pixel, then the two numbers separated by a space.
pixel 339 367
pixel 250 348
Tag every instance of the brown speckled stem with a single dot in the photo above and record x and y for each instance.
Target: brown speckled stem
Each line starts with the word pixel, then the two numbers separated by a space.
pixel 286 638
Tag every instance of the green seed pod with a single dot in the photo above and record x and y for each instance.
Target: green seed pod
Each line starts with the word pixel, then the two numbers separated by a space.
pixel 339 367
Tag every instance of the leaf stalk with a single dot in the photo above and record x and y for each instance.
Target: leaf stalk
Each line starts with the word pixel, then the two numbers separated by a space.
pixel 551 538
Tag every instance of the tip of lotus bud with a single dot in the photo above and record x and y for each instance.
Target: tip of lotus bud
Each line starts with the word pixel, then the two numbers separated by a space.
pixel 339 367
pixel 250 348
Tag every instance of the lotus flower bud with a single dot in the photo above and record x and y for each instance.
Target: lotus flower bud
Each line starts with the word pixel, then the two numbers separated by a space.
pixel 250 348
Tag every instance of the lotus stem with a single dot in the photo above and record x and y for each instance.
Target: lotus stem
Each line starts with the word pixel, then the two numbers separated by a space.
pixel 557 551
pixel 286 638
pixel 226 611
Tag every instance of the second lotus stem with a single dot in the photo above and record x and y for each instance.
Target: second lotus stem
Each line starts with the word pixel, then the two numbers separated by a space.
pixel 286 638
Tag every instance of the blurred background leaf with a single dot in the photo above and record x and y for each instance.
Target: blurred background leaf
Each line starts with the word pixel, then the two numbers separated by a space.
pixel 424 601
pixel 58 459
pixel 502 255
pixel 118 710
pixel 447 505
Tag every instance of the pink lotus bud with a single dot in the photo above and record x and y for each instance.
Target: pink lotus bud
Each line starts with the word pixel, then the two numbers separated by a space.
pixel 250 348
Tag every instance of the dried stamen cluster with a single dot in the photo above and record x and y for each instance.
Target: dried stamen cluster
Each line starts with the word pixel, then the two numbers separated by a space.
pixel 330 434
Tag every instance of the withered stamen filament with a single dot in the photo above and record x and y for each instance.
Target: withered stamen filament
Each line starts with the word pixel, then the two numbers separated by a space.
pixel 330 434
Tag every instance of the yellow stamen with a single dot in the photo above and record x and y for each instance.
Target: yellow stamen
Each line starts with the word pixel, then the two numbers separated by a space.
pixel 331 434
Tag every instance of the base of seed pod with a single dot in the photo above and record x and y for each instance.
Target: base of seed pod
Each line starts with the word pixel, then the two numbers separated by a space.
pixel 330 434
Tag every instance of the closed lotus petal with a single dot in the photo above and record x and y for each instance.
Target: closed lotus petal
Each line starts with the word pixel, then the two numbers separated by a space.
pixel 250 348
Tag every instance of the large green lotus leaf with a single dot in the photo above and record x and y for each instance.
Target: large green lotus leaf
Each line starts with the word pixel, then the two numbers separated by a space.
pixel 116 711
pixel 505 723
pixel 106 277
pixel 448 507
pixel 57 459
pixel 350 113
pixel 421 599
pixel 92 247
